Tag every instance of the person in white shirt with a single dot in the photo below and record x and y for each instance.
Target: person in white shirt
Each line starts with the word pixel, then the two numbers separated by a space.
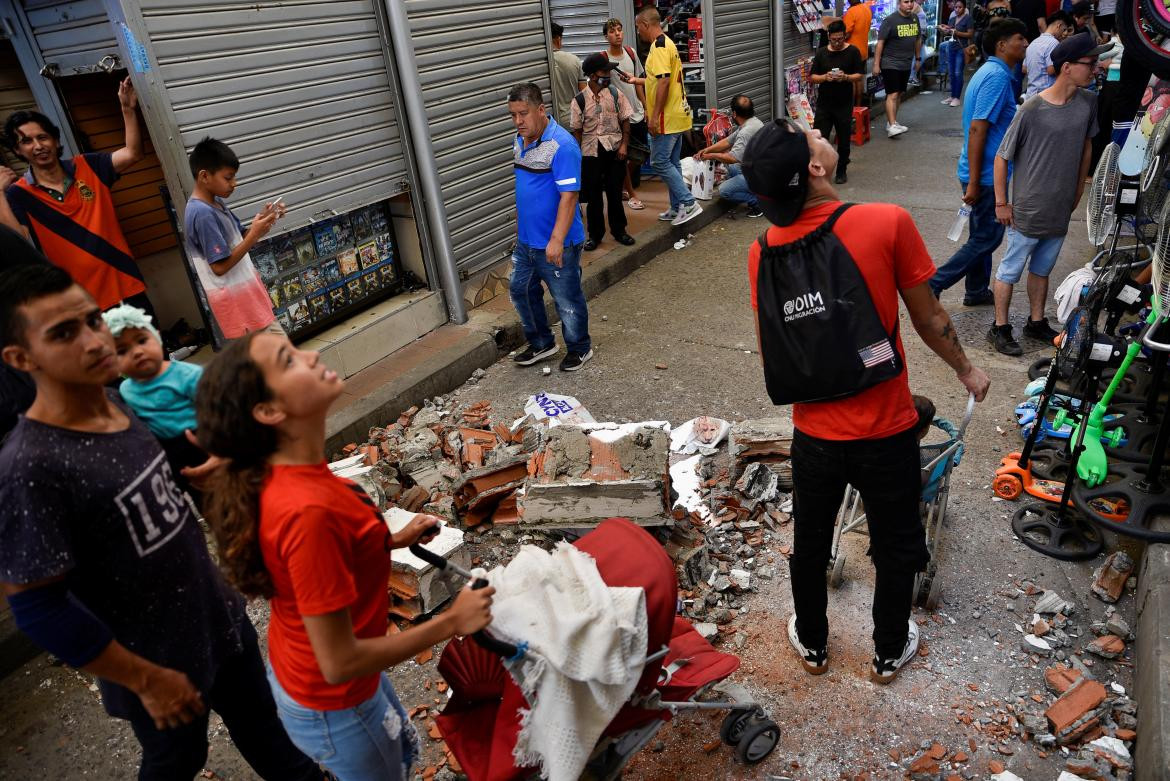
pixel 628 62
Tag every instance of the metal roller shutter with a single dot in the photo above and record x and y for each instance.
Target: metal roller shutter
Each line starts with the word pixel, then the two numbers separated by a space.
pixel 582 20
pixel 74 36
pixel 742 32
pixel 298 89
pixel 468 54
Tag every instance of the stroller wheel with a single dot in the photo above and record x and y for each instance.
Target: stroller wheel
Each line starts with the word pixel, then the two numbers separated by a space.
pixel 757 742
pixel 837 574
pixel 734 724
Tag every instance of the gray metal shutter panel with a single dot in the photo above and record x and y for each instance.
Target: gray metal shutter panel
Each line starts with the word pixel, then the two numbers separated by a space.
pixel 468 55
pixel 74 36
pixel 582 20
pixel 299 91
pixel 743 53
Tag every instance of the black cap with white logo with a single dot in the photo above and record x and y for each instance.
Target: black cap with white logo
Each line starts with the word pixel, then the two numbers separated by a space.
pixel 775 165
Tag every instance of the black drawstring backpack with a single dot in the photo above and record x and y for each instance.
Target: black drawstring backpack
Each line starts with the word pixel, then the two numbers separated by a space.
pixel 820 334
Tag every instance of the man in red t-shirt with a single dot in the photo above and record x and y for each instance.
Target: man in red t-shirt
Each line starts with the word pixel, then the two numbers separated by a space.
pixel 867 439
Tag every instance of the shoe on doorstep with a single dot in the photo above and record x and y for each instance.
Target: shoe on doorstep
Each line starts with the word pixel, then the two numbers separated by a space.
pixel 885 670
pixel 531 355
pixel 841 177
pixel 624 239
pixel 755 211
pixel 590 245
pixel 815 662
pixel 574 361
pixel 1040 329
pixel 668 215
pixel 686 213
pixel 1001 338
pixel 983 298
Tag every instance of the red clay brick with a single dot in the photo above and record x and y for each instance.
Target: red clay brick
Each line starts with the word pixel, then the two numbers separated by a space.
pixel 1081 698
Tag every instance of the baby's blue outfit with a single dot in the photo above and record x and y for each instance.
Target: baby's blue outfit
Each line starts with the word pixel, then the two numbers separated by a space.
pixel 165 404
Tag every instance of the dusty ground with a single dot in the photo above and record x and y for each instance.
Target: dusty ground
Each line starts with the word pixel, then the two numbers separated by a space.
pixel 688 309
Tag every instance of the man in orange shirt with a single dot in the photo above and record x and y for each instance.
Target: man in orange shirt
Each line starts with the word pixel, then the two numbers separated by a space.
pixel 857 20
pixel 66 207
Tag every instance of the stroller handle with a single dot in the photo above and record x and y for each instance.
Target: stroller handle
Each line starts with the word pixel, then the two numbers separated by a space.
pixel 485 640
pixel 968 415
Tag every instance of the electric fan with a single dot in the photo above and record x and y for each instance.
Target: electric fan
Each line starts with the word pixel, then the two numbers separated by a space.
pixel 1101 209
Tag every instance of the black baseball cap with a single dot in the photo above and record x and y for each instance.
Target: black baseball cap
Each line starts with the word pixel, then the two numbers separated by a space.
pixel 1074 48
pixel 775 165
pixel 597 62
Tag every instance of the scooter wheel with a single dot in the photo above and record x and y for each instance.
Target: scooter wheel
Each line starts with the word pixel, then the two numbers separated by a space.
pixel 1008 487
pixel 1039 368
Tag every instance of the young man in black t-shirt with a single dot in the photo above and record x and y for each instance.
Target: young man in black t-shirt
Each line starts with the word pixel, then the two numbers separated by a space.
pixel 103 561
pixel 836 68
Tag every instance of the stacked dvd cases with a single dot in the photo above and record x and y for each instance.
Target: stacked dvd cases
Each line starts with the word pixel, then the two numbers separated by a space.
pixel 321 273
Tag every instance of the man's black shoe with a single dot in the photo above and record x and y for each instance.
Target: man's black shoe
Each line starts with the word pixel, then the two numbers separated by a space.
pixel 590 245
pixel 755 211
pixel 984 298
pixel 1040 329
pixel 574 361
pixel 531 356
pixel 1000 337
pixel 841 177
pixel 625 239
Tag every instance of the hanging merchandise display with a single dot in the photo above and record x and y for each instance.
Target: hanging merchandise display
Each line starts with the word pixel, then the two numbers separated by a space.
pixel 319 274
pixel 797 80
pixel 807 15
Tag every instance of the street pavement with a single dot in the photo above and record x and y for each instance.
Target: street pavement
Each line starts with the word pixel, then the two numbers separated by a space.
pixel 688 311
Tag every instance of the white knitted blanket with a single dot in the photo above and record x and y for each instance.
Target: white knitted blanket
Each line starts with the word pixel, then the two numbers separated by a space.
pixel 587 646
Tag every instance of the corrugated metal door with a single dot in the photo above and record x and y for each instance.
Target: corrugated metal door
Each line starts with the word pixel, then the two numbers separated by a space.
pixel 582 20
pixel 742 31
pixel 74 36
pixel 468 54
pixel 299 90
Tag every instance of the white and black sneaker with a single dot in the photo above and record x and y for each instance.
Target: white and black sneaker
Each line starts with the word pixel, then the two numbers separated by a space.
pixel 686 213
pixel 574 361
pixel 885 670
pixel 815 662
pixel 532 355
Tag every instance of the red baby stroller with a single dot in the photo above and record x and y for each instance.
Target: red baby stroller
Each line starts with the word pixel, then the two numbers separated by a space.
pixel 481 722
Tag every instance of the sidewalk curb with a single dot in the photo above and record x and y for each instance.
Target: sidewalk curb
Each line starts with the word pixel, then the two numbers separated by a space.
pixel 492 336
pixel 1152 666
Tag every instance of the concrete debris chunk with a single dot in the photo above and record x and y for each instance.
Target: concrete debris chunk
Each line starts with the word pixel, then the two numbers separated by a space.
pixel 1112 751
pixel 1107 647
pixel 1050 603
pixel 766 440
pixel 759 483
pixel 1036 645
pixel 707 629
pixel 1006 775
pixel 1116 625
pixel 1109 579
pixel 1074 712
pixel 741 579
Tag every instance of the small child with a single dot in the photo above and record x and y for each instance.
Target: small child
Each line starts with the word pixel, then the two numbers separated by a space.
pixel 926 412
pixel 160 392
pixel 218 245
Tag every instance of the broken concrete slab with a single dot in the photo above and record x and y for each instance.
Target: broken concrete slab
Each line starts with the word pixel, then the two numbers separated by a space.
pixel 418 587
pixel 581 504
pixel 1051 603
pixel 766 440
pixel 1109 579
pixel 758 482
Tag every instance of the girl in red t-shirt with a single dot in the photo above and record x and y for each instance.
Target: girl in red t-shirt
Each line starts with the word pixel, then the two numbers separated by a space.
pixel 316 547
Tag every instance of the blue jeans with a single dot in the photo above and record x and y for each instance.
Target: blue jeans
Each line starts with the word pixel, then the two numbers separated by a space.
pixel 1038 254
pixel 665 159
pixel 735 187
pixel 374 739
pixel 973 260
pixel 956 65
pixel 529 269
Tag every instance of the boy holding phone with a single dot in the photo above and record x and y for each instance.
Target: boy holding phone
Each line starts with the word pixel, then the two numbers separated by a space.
pixel 218 245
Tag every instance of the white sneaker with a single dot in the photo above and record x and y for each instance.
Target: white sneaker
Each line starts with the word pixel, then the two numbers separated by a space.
pixel 956 102
pixel 894 130
pixel 901 127
pixel 668 215
pixel 885 670
pixel 687 213
pixel 946 101
pixel 815 662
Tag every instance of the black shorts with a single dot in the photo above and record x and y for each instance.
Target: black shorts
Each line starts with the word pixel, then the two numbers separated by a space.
pixel 894 80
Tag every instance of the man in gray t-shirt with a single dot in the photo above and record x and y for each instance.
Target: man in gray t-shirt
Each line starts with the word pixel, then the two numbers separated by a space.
pixel 729 151
pixel 567 77
pixel 1049 145
pixel 899 40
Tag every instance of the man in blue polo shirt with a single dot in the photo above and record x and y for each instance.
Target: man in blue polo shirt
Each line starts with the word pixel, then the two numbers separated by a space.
pixel 548 249
pixel 988 108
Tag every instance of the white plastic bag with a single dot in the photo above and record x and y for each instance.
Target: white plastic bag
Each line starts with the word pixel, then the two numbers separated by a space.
pixel 554 410
pixel 703 179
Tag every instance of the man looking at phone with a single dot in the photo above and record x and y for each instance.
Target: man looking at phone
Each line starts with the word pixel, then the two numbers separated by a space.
pixel 837 68
pixel 66 207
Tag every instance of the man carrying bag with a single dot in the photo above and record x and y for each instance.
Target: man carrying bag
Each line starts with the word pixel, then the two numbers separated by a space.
pixel 825 282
